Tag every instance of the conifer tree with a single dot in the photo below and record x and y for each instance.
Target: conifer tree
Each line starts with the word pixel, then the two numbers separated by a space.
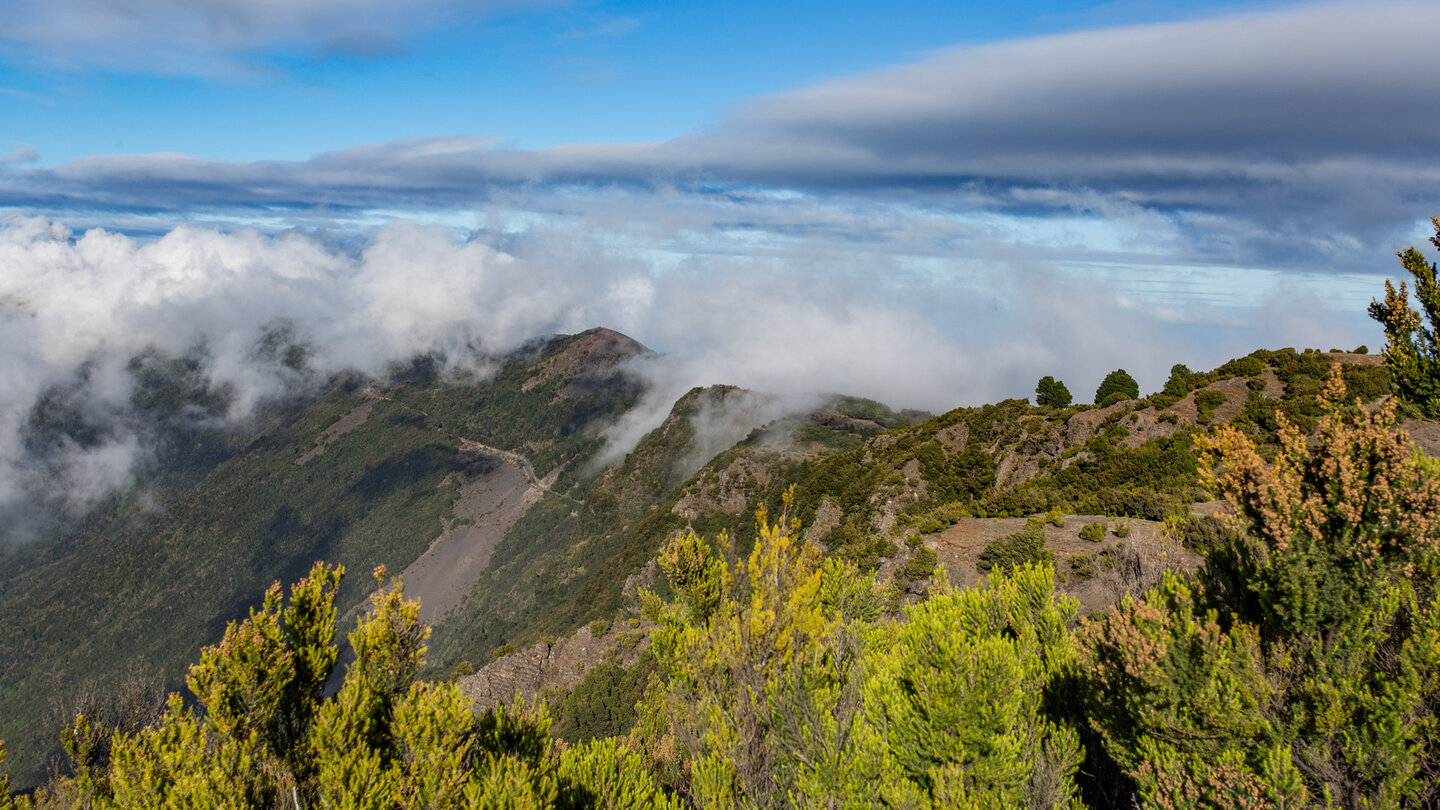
pixel 1051 393
pixel 1178 384
pixel 1117 385
pixel 1412 339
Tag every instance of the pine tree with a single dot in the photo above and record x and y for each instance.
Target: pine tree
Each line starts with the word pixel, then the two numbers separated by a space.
pixel 1051 393
pixel 1117 386
pixel 1179 383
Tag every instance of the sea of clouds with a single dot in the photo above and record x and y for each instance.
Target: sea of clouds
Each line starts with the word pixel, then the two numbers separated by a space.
pixel 77 307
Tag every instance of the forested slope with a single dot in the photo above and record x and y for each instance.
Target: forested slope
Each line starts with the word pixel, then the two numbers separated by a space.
pixel 365 474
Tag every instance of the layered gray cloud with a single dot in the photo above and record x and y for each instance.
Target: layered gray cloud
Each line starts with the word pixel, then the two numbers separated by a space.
pixel 224 37
pixel 1302 136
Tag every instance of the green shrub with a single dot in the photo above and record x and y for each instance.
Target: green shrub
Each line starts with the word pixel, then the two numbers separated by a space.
pixel 1209 398
pixel 932 524
pixel 1247 366
pixel 1115 399
pixel 921 564
pixel 599 628
pixel 1369 383
pixel 1322 606
pixel 1206 402
pixel 1056 518
pixel 1203 535
pixel 1014 550
pixel 1086 566
pixel 1094 532
pixel 866 551
pixel 262 735
pixel 602 704
pixel 1122 530
pixel 939 519
pixel 503 650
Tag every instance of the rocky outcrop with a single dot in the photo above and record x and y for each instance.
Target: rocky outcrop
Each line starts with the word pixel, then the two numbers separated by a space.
pixel 730 490
pixel 545 666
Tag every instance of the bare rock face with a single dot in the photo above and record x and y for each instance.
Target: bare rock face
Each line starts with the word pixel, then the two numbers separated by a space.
pixel 827 517
pixel 731 491
pixel 560 665
pixel 1426 435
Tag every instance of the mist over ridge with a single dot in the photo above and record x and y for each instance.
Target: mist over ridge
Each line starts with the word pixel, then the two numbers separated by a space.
pixel 252 318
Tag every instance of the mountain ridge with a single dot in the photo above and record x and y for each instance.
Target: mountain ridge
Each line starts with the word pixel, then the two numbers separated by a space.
pixel 375 472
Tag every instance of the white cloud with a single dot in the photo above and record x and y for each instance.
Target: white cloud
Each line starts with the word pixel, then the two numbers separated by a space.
pixel 75 308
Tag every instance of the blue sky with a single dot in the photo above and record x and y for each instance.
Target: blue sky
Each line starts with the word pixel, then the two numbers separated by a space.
pixel 933 204
pixel 532 75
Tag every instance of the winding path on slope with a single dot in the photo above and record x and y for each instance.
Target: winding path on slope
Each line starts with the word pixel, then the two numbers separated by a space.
pixel 487 507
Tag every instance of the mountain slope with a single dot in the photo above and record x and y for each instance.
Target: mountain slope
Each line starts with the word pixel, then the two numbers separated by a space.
pixel 364 475
pixel 484 493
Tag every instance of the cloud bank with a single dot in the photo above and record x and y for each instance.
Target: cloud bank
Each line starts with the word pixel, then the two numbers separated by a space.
pixel 233 310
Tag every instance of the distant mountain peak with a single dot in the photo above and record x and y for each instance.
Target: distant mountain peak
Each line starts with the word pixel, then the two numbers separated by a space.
pixel 585 359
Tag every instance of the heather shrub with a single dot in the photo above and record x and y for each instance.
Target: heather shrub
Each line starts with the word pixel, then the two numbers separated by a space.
pixel 1014 550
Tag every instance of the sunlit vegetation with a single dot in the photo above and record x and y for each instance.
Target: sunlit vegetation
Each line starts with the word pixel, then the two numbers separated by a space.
pixel 1299 667
pixel 1296 667
pixel 1024 547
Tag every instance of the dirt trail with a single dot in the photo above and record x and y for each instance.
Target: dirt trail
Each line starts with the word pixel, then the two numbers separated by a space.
pixel 488 506
pixel 514 458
